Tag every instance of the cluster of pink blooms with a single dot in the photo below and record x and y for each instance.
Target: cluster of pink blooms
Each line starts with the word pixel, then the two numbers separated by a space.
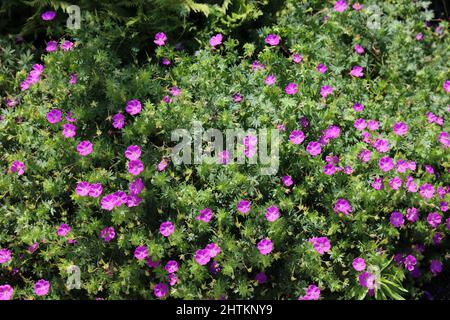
pixel 33 77
pixel 203 256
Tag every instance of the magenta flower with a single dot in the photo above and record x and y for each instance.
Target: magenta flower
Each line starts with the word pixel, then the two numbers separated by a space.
pixel 32 248
pixel 118 121
pixel 373 125
pixel 54 116
pixel 358 107
pixel 83 188
pixel 162 165
pixel 166 228
pixel 321 68
pixel 136 186
pixel 265 246
pixel 434 219
pixel 400 128
pixel 409 262
pixel 426 191
pixel 386 164
pixel 133 201
pixel 152 263
pixel 314 148
pixel 359 49
pixel 297 136
pixel 216 40
pixel 63 230
pixel 171 266
pixel 296 58
pixel 41 287
pixel 332 132
pixel 272 39
pixel 51 46
pixel 444 138
pixel 135 167
pixel 320 244
pixel 160 290
pixel 329 169
pixel 18 166
pixel 357 6
pixel 175 91
pixel 133 107
pixel 6 292
pixel 133 152
pixel 172 278
pixel 312 293
pixel 5 255
pixel 73 79
pixel 160 39
pixel 270 79
pixel 357 71
pixel 397 219
pixel 272 213
pixel 287 181
pixel 364 155
pixel 48 15
pixel 84 148
pixel 377 183
pixel 326 91
pixel 205 215
pixel 66 45
pixel 95 190
pixel 360 124
pixel 291 88
pixel 243 206
pixel 108 234
pixel 256 65
pixel 381 145
pixel 359 264
pixel 202 257
pixel 141 252
pixel 109 201
pixel 69 130
pixel 340 6
pixel 412 214
pixel 213 249
pixel 446 85
pixel 342 206
pixel 395 183
pixel 367 280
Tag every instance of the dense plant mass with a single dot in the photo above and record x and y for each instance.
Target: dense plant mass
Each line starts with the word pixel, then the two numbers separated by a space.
pixel 357 207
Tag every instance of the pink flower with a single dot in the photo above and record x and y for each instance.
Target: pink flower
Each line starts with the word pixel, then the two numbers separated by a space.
pixel 6 292
pixel 426 191
pixel 434 219
pixel 395 183
pixel 272 213
pixel 5 255
pixel 377 183
pixel 41 287
pixel 435 267
pixel 446 85
pixel 360 124
pixel 444 138
pixel 320 244
pixel 359 49
pixel 287 181
pixel 69 130
pixel 397 219
pixel 202 257
pixel 340 6
pixel 364 155
pixel 109 202
pixel 135 167
pixel 270 79
pixel 409 262
pixel 84 148
pixel 73 79
pixel 54 116
pixel 342 206
pixel 326 91
pixel 205 215
pixel 367 280
pixel 329 169
pixel 63 230
pixel 400 128
pixel 357 71
pixel 265 246
pixel 95 190
pixel 118 121
pixel 312 293
pixel 386 164
pixel 160 290
pixel 297 136
pixel 373 125
pixel 243 206
pixel 162 165
pixel 172 278
pixel 175 91
pixel 314 148
pixel 171 266
pixel 160 39
pixel 166 228
pixel 83 188
pixel 359 264
pixel 296 58
pixel 213 249
pixel 133 152
pixel 48 15
pixel 133 107
pixel 216 40
pixel 358 107
pixel 51 46
pixel 66 45
pixel 141 252
pixel 411 214
pixel 108 234
pixel 321 68
pixel 291 88
pixel 357 6
pixel 18 166
pixel 272 39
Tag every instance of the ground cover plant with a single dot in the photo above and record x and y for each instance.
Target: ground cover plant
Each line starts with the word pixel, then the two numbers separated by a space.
pixel 93 204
